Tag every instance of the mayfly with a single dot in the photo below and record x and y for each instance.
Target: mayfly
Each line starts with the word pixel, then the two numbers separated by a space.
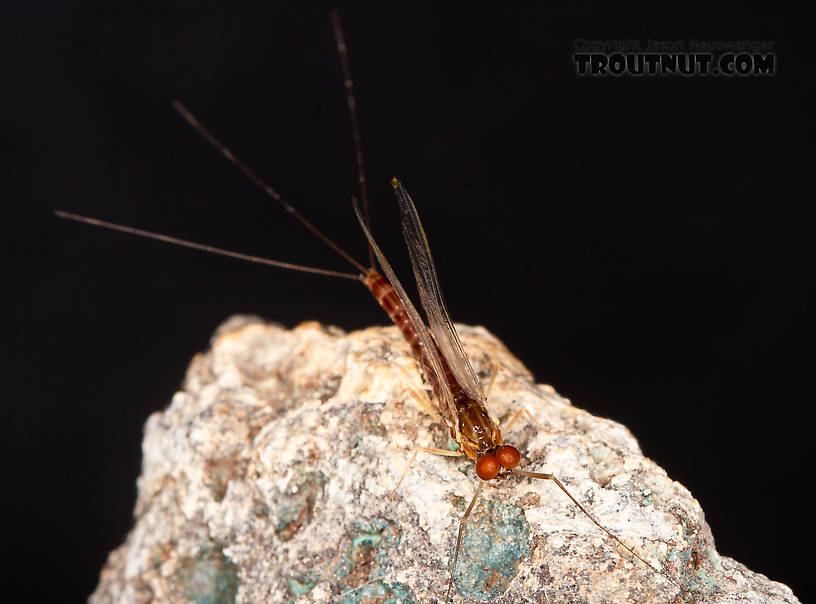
pixel 434 342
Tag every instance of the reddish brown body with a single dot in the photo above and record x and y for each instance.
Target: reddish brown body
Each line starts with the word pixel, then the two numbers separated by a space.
pixel 481 434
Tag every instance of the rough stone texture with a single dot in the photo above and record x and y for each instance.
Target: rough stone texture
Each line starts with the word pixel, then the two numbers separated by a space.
pixel 267 480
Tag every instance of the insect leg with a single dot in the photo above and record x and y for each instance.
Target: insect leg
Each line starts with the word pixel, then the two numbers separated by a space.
pixel 344 596
pixel 425 403
pixel 560 485
pixel 443 452
pixel 494 371
pixel 459 535
pixel 530 418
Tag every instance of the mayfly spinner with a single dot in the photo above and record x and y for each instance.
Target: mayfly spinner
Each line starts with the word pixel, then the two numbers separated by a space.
pixel 435 344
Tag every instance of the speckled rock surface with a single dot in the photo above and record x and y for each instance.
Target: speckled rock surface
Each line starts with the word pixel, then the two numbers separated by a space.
pixel 267 480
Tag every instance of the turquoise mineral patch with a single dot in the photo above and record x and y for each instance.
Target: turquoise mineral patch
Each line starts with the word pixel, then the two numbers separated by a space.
pixel 379 593
pixel 361 562
pixel 301 585
pixel 209 578
pixel 297 502
pixel 696 572
pixel 493 544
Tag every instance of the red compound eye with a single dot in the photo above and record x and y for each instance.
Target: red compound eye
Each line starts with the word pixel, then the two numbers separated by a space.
pixel 487 466
pixel 508 456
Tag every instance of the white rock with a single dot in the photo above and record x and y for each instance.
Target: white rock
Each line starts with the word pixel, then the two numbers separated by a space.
pixel 267 480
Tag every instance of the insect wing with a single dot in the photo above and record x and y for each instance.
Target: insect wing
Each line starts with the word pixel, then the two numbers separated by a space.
pixel 430 294
pixel 446 406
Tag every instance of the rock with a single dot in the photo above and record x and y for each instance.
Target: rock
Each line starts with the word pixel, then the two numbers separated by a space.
pixel 267 479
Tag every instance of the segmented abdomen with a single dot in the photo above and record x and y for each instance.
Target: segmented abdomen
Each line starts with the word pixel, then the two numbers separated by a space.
pixel 472 427
pixel 391 303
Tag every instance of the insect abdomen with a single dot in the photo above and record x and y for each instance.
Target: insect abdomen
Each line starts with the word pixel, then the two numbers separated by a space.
pixel 473 420
pixel 391 303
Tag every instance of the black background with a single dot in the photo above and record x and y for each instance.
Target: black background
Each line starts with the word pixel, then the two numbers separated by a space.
pixel 641 244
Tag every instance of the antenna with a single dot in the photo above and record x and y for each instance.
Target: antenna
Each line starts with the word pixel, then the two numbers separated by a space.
pixel 249 173
pixel 351 101
pixel 200 246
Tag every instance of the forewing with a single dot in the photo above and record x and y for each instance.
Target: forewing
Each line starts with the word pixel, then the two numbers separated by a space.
pixel 430 294
pixel 446 406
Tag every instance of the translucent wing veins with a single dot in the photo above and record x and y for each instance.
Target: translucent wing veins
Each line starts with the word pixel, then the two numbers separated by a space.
pixel 430 295
pixel 446 405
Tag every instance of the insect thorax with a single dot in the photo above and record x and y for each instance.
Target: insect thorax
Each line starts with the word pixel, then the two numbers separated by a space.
pixel 477 431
